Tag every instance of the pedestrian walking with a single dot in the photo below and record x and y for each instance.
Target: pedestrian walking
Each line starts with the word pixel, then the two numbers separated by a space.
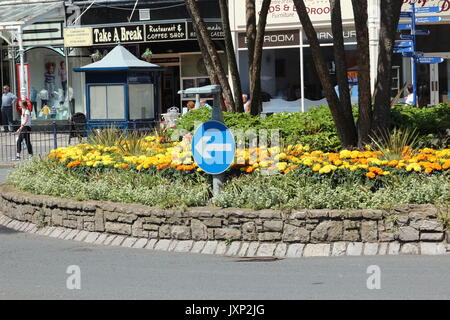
pixel 8 101
pixel 24 131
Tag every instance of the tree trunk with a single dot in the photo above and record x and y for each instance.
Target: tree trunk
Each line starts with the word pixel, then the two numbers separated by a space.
pixel 341 63
pixel 255 84
pixel 345 127
pixel 364 88
pixel 232 63
pixel 251 34
pixel 215 59
pixel 390 16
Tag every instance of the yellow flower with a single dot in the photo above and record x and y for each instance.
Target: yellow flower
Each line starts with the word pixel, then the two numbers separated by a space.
pixel 281 166
pixel 317 167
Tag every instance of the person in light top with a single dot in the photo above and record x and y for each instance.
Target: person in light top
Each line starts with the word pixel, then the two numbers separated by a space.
pixel 24 130
pixel 410 97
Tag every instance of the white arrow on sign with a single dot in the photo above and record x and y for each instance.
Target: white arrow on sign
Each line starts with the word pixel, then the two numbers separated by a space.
pixel 204 148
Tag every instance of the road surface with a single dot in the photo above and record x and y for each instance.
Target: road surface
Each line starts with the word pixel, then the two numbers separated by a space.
pixel 36 267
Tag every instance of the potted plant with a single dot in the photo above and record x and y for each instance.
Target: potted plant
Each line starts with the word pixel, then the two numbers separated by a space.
pixel 96 56
pixel 147 55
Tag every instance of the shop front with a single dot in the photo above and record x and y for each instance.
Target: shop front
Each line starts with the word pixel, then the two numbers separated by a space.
pixel 290 81
pixel 33 60
pixel 172 45
pixel 289 78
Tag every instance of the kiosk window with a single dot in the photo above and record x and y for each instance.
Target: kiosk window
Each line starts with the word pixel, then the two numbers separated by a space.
pixel 107 102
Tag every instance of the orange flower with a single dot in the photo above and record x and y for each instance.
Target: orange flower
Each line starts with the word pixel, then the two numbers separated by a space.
pixel 250 169
pixel 393 163
pixel 371 175
pixel 376 170
pixel 124 166
pixel 161 166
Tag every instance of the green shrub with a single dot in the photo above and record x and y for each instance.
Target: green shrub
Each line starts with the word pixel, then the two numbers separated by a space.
pixel 316 128
pixel 296 190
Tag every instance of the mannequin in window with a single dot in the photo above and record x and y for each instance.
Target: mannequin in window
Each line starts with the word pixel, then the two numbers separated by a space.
pixel 50 80
pixel 63 76
pixel 33 100
pixel 43 96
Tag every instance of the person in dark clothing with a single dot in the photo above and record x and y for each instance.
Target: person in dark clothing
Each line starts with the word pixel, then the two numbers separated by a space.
pixel 8 101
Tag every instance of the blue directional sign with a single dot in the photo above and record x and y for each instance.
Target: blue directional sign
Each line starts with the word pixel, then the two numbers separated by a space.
pixel 412 54
pixel 213 147
pixel 422 32
pixel 403 50
pixel 403 44
pixel 428 19
pixel 404 26
pixel 405 14
pixel 406 37
pixel 428 10
pixel 430 60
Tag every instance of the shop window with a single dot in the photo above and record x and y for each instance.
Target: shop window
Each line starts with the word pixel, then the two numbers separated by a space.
pixel 141 101
pixel 47 83
pixel 107 102
pixel 194 74
pixel 280 74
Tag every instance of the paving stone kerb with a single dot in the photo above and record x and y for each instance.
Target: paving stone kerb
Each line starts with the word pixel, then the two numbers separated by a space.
pixel 345 230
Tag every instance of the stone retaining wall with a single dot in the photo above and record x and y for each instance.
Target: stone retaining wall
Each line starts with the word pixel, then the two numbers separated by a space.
pixel 409 228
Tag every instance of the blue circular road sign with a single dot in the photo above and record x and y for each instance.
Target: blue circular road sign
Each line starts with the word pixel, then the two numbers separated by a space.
pixel 213 147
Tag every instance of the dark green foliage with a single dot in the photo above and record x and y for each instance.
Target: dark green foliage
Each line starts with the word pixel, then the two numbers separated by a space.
pixel 316 128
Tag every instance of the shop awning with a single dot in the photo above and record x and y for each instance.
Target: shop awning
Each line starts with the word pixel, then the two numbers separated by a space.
pixel 119 59
pixel 26 13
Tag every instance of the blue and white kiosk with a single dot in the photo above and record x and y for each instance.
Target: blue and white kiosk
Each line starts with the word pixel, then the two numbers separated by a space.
pixel 122 91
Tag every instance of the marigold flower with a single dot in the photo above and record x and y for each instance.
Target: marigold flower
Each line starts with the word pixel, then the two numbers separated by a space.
pixel 371 175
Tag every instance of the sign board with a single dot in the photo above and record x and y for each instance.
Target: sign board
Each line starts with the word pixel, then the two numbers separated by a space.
pixel 215 30
pixel 425 7
pixel 165 32
pixel 403 44
pixel 122 34
pixel 404 26
pixel 412 54
pixel 282 38
pixel 428 19
pixel 283 12
pixel 429 60
pixel 403 50
pixel 423 10
pixel 405 14
pixel 326 36
pixel 406 37
pixel 422 32
pixel 78 37
pixel 213 147
pixel 137 33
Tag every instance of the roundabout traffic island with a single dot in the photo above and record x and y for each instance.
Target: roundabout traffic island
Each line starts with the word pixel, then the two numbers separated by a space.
pixel 406 229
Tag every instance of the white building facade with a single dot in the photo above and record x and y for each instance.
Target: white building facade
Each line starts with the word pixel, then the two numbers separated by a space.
pixel 289 78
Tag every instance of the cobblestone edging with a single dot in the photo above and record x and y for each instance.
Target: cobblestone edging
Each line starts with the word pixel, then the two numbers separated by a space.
pixel 414 229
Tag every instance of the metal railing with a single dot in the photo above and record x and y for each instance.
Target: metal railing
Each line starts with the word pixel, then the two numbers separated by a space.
pixel 44 139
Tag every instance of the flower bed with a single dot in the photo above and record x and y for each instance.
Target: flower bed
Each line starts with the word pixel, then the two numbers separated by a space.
pixel 156 154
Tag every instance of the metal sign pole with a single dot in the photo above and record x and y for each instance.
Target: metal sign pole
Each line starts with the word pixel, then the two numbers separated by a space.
pixel 217 115
pixel 413 59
